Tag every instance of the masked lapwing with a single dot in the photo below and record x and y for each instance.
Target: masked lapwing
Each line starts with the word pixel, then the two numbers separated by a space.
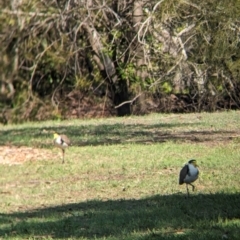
pixel 189 174
pixel 61 141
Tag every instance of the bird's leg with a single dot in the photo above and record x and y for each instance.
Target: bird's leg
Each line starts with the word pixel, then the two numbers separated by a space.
pixel 187 190
pixel 193 187
pixel 63 152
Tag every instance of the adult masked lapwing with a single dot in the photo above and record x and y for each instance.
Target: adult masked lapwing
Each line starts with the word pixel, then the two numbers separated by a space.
pixel 61 141
pixel 189 174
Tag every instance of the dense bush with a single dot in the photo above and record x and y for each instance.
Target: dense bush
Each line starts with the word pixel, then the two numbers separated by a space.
pixel 129 56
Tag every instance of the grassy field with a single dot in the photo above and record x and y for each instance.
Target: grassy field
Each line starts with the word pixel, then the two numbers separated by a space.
pixel 120 179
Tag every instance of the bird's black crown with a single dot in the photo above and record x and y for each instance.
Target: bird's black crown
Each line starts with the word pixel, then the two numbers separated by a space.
pixel 192 161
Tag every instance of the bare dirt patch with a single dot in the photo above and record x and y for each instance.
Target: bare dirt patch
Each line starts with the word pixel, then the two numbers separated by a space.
pixel 17 155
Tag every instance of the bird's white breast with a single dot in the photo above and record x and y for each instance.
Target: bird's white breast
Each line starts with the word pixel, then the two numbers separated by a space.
pixel 59 142
pixel 192 174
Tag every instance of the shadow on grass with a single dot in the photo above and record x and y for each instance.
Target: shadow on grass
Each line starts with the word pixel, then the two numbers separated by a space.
pixel 157 217
pixel 106 134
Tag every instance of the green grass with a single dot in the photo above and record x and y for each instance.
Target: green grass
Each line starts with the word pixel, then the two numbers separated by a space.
pixel 120 179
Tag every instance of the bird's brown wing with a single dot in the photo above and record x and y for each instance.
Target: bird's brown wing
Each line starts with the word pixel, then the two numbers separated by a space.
pixel 183 174
pixel 65 139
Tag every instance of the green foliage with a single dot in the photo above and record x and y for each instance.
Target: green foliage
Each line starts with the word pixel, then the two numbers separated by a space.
pixel 82 83
pixel 234 66
pixel 128 73
pixel 166 87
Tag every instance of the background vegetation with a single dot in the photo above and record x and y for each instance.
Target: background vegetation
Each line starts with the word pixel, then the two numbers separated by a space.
pixel 76 58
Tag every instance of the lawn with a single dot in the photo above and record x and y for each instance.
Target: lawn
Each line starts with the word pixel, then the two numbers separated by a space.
pixel 120 178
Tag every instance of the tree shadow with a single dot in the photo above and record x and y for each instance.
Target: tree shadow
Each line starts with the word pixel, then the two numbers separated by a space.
pixel 108 134
pixel 206 216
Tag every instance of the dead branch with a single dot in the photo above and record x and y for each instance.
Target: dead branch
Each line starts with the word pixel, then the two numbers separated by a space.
pixel 130 101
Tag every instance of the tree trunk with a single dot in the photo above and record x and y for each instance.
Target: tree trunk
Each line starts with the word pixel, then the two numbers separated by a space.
pixel 118 87
pixel 140 55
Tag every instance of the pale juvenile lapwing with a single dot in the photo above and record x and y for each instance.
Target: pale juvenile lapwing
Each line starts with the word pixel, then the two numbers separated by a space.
pixel 61 141
pixel 189 174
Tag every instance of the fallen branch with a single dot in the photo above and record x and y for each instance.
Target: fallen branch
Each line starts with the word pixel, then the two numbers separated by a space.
pixel 32 14
pixel 130 101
